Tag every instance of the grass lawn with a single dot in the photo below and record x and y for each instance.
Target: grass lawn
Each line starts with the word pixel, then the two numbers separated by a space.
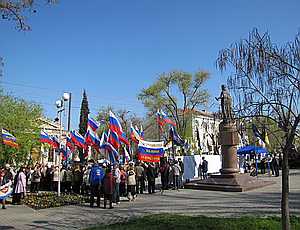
pixel 166 221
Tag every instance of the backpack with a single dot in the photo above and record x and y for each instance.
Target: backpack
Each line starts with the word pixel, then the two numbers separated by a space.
pixel 97 175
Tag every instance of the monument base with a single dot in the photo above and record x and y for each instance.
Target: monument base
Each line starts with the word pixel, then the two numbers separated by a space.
pixel 229 183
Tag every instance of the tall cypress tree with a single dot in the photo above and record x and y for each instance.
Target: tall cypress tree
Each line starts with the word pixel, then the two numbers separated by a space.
pixel 84 112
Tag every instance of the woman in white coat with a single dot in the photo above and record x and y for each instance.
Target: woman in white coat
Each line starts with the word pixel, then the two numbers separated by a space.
pixel 20 186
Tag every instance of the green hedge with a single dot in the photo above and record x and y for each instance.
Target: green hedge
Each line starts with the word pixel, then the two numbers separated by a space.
pixel 50 199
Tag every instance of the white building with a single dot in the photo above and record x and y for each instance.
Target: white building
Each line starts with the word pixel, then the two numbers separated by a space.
pixel 207 125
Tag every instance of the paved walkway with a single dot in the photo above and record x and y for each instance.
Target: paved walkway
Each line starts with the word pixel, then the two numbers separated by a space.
pixel 264 201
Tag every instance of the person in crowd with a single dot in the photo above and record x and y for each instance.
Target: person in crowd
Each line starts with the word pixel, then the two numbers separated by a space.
pixel 109 185
pixel 164 173
pixel 28 174
pixel 204 168
pixel 36 179
pixel 49 178
pixel 10 171
pixel 200 173
pixel 55 179
pixel 123 180
pixel 176 173
pixel 171 175
pixel 68 178
pixel 263 165
pixel 95 180
pixel 43 184
pixel 140 178
pixel 150 172
pixel 131 182
pixel 63 180
pixel 253 171
pixel 275 165
pixel 77 179
pixel 181 172
pixel 19 186
pixel 117 177
pixel 85 180
pixel 5 183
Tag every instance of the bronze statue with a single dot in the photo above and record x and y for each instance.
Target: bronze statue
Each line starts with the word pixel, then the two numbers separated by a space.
pixel 226 105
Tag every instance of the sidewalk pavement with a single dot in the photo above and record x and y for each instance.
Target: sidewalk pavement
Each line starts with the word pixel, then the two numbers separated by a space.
pixel 264 201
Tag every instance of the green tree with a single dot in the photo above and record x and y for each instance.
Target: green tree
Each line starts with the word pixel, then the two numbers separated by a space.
pixel 266 83
pixel 16 10
pixel 84 113
pixel 21 118
pixel 177 93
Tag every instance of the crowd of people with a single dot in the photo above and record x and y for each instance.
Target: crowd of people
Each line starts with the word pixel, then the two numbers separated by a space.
pixel 94 179
pixel 270 164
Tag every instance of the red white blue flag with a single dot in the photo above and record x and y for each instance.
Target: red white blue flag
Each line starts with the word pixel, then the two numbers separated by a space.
pixel 113 139
pixel 166 119
pixel 45 138
pixel 9 139
pixel 92 124
pixel 134 135
pixel 92 139
pixel 70 143
pixel 115 126
pixel 77 139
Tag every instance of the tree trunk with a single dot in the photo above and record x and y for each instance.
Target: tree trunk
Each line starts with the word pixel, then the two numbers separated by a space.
pixel 285 211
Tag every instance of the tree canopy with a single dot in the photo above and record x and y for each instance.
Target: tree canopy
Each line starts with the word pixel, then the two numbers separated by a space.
pixel 21 118
pixel 176 93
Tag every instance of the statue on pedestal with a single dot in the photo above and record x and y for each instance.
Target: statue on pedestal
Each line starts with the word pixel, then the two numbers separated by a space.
pixel 226 105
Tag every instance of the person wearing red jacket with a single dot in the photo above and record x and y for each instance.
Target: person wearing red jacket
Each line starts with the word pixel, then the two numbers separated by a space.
pixel 109 186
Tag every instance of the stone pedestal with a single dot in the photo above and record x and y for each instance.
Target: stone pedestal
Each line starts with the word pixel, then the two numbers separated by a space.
pixel 230 180
pixel 229 139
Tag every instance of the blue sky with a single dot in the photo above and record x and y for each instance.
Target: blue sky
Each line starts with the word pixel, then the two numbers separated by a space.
pixel 113 49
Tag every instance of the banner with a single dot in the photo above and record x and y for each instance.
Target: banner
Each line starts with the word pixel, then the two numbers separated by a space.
pixel 150 151
pixel 5 191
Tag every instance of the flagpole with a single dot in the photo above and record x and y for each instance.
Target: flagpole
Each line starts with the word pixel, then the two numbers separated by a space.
pixel 173 147
pixel 59 155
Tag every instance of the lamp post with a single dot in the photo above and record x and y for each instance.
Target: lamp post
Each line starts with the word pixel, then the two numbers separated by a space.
pixel 68 97
pixel 60 105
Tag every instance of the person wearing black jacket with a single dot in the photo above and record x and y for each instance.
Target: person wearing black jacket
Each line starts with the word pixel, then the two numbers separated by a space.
pixel 150 172
pixel 204 168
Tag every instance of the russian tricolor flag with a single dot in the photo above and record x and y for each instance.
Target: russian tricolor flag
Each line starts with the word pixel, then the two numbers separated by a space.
pixel 113 153
pixel 69 143
pixel 135 136
pixel 115 126
pixel 92 139
pixel 113 139
pixel 166 119
pixel 103 140
pixel 77 139
pixel 45 138
pixel 160 120
pixel 9 139
pixel 126 154
pixel 93 124
pixel 55 142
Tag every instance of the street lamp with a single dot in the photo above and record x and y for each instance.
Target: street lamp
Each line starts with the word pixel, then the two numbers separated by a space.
pixel 60 105
pixel 68 97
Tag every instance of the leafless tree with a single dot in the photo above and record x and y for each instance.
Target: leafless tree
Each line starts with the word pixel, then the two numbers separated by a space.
pixel 266 83
pixel 16 10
